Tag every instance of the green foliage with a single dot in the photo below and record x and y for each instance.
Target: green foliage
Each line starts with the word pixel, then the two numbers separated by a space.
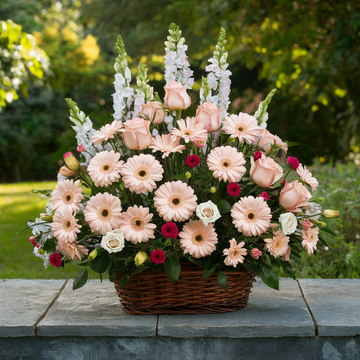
pixel 173 269
pixel 80 279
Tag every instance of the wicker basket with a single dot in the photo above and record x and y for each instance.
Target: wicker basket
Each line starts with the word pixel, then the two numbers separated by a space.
pixel 152 292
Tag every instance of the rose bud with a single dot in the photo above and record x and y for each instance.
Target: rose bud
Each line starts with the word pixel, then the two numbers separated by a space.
pixel 265 171
pixel 136 134
pixel 176 97
pixel 71 162
pixel 330 214
pixel 64 171
pixel 209 115
pixel 140 257
pixel 155 112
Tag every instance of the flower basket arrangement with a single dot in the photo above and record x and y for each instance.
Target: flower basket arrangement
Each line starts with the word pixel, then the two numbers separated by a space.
pixel 180 211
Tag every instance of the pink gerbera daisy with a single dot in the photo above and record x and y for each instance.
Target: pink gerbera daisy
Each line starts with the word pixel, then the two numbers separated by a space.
pixel 235 254
pixel 104 168
pixel 190 130
pixel 310 239
pixel 140 172
pixel 167 144
pixel 278 245
pixel 226 163
pixel 243 126
pixel 197 239
pixel 107 132
pixel 175 201
pixel 306 176
pixel 72 250
pixel 67 195
pixel 65 226
pixel 103 213
pixel 251 216
pixel 135 224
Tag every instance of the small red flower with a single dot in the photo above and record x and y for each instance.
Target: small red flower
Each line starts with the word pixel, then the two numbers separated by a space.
pixel 170 230
pixel 283 182
pixel 55 260
pixel 68 154
pixel 293 162
pixel 33 241
pixel 80 148
pixel 192 160
pixel 233 189
pixel 158 256
pixel 264 195
pixel 257 155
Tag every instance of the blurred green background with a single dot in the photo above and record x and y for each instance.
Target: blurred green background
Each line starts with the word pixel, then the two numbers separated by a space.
pixel 309 50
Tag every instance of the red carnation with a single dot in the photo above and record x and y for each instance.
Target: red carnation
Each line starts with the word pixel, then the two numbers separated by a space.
pixel 264 195
pixel 233 189
pixel 55 260
pixel 170 230
pixel 257 155
pixel 158 256
pixel 293 162
pixel 192 160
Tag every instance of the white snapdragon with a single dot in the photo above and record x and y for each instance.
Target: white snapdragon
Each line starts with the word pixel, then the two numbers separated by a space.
pixel 44 256
pixel 113 241
pixel 261 114
pixel 288 223
pixel 207 212
pixel 313 211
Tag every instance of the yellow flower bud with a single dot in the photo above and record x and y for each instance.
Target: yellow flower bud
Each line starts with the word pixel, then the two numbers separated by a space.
pixel 93 254
pixel 330 214
pixel 212 190
pixel 188 175
pixel 41 251
pixel 140 257
pixel 46 217
pixel 71 161
pixel 64 171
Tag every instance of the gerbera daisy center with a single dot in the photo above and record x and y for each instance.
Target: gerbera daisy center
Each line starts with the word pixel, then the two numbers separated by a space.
pixel 137 223
pixel 68 197
pixel 251 217
pixel 68 224
pixel 176 200
pixel 226 164
pixel 142 173
pixel 107 167
pixel 105 213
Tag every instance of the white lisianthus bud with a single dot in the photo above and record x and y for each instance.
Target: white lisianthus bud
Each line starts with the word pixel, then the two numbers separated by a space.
pixel 113 241
pixel 207 212
pixel 288 223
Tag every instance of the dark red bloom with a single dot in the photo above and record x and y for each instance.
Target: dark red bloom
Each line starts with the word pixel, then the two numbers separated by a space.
pixel 264 195
pixel 257 155
pixel 55 260
pixel 192 160
pixel 283 182
pixel 293 162
pixel 170 230
pixel 233 189
pixel 158 256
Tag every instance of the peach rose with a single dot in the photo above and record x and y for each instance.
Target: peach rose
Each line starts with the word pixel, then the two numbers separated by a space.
pixel 154 110
pixel 209 115
pixel 265 171
pixel 267 139
pixel 176 97
pixel 293 196
pixel 64 171
pixel 136 134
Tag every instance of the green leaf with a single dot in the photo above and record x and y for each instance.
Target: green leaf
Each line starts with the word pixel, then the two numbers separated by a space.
pixel 50 244
pixel 323 241
pixel 222 281
pixel 289 144
pixel 80 279
pixel 286 268
pixel 208 272
pixel 223 206
pixel 268 276
pixel 124 280
pixel 84 262
pixel 296 258
pixel 101 262
pixel 104 118
pixel 173 269
pixel 58 155
pixel 328 231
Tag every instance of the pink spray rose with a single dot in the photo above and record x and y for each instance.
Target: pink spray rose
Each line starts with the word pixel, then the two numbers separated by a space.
pixel 154 110
pixel 209 115
pixel 293 196
pixel 136 134
pixel 80 148
pixel 265 171
pixel 176 97
pixel 255 253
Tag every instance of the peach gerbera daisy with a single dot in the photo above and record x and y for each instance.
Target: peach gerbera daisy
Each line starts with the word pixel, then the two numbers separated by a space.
pixel 243 126
pixel 107 132
pixel 67 195
pixel 190 130
pixel 175 201
pixel 135 224
pixel 306 176
pixel 103 213
pixel 226 163
pixel 251 216
pixel 197 239
pixel 235 254
pixel 167 144
pixel 104 168
pixel 72 250
pixel 65 226
pixel 278 245
pixel 310 239
pixel 140 172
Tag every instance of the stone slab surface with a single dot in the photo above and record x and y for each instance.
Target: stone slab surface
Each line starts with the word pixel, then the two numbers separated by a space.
pixel 335 305
pixel 23 302
pixel 269 313
pixel 94 310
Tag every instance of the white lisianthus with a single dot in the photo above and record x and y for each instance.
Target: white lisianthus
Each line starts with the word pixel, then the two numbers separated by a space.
pixel 207 212
pixel 288 223
pixel 113 241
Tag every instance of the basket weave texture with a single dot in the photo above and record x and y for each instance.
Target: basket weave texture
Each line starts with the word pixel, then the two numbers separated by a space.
pixel 152 292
